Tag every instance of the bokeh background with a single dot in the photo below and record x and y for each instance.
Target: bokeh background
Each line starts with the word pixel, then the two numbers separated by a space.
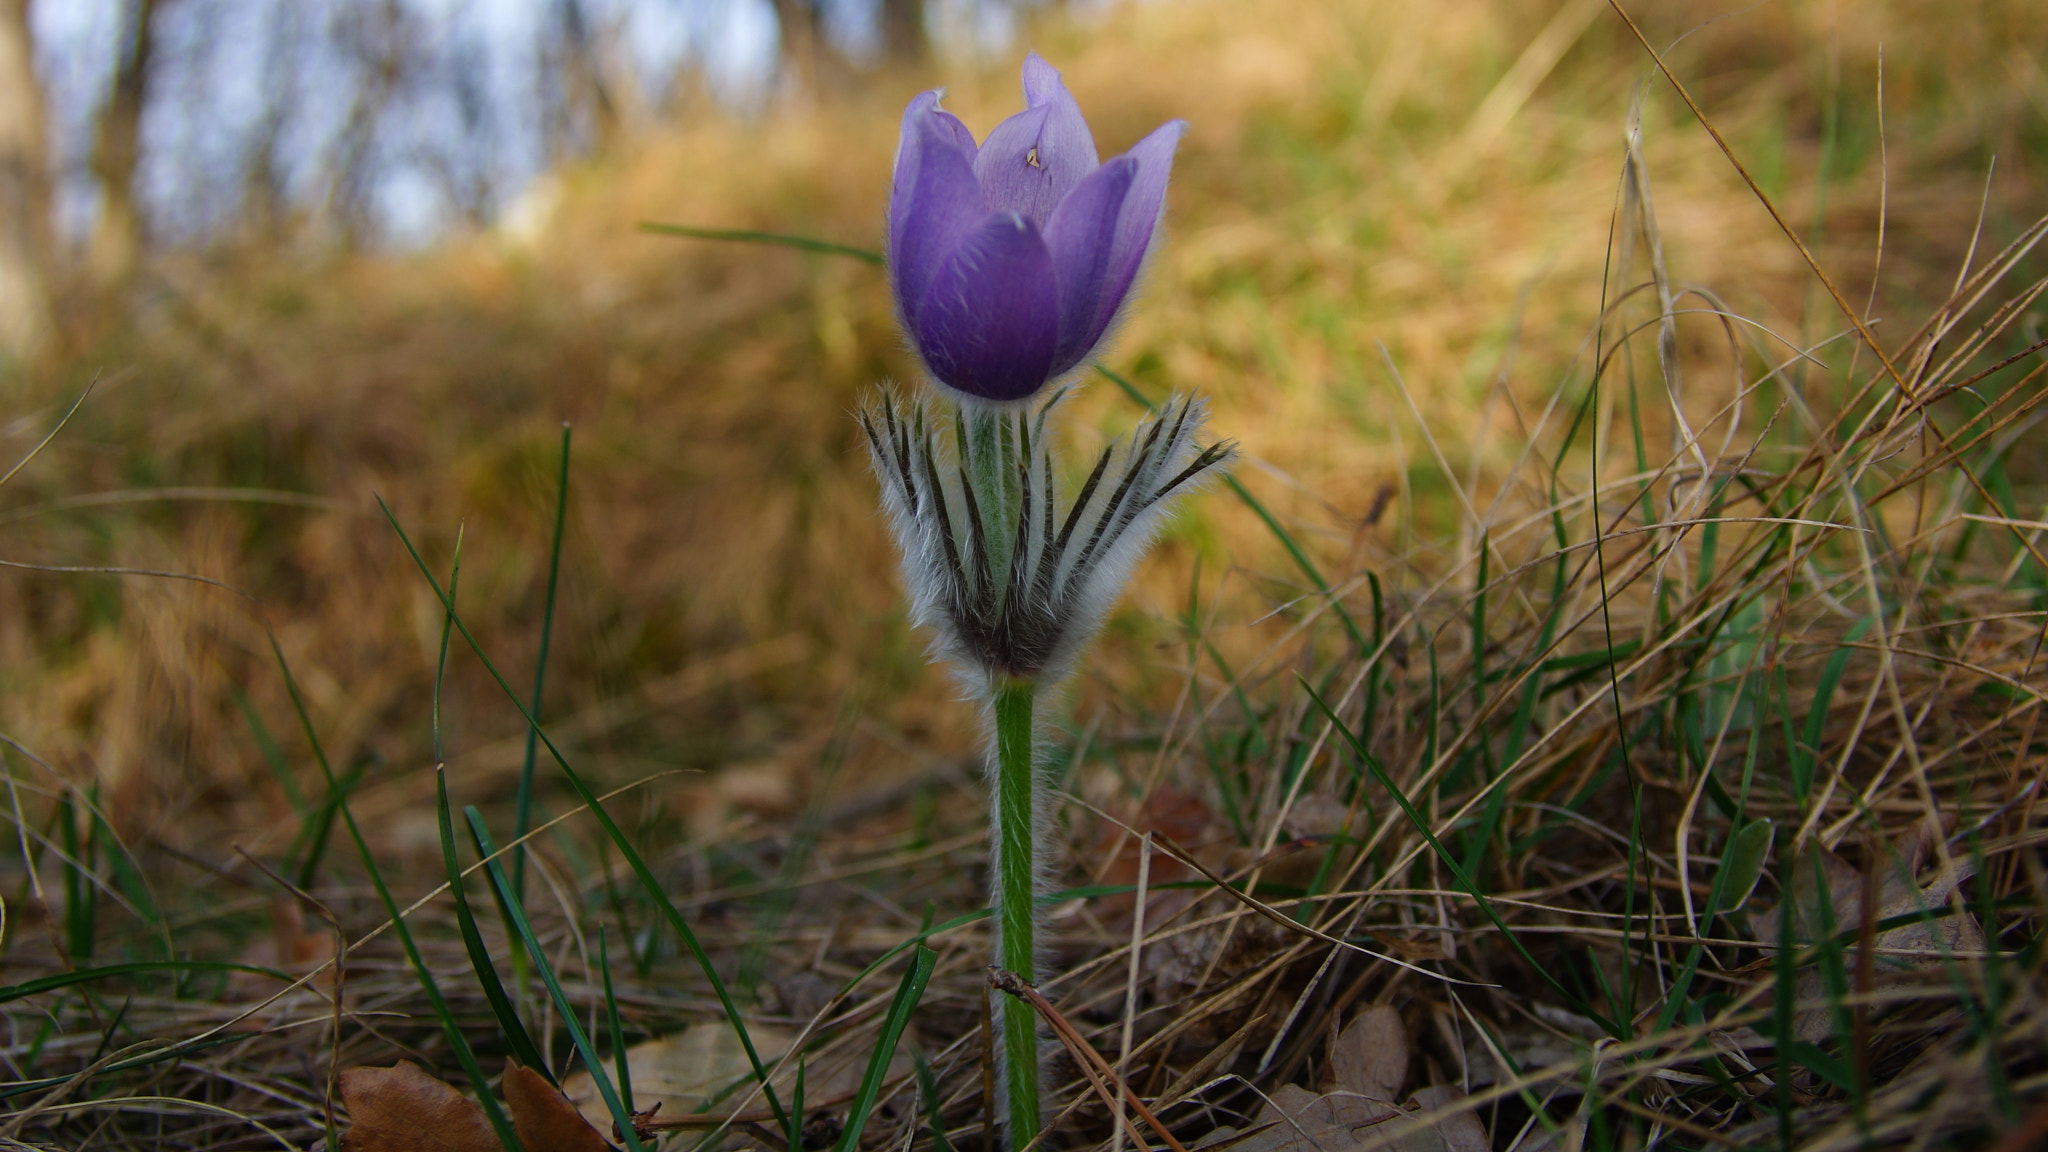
pixel 310 255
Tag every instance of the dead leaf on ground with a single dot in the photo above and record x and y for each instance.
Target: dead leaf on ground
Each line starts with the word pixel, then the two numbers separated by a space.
pixel 1899 893
pixel 1460 1132
pixel 290 948
pixel 1297 1120
pixel 1168 812
pixel 1368 1066
pixel 404 1109
pixel 544 1118
pixel 1370 1056
pixel 680 1072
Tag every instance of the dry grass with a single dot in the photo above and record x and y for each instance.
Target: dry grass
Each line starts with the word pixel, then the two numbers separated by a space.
pixel 1589 624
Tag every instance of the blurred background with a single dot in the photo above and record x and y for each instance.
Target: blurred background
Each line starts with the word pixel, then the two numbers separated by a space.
pixel 310 254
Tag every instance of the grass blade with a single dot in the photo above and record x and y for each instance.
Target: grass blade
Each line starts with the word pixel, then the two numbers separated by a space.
pixel 641 871
pixel 523 812
pixel 614 1026
pixel 748 236
pixel 1457 870
pixel 523 1048
pixel 620 1114
pixel 907 995
pixel 456 1040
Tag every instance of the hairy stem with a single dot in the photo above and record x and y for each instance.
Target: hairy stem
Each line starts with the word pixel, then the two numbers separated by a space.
pixel 1013 899
pixel 992 451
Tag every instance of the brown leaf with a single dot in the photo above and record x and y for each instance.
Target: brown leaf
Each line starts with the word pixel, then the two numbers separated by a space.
pixel 1306 1122
pixel 1461 1132
pixel 680 1072
pixel 1297 1120
pixel 1169 812
pixel 544 1118
pixel 403 1109
pixel 1370 1056
pixel 1899 893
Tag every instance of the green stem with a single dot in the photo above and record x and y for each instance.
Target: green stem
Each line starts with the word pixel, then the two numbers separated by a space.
pixel 991 448
pixel 1012 900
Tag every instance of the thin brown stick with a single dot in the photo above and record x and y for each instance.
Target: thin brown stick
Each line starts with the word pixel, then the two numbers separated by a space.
pixel 1099 1073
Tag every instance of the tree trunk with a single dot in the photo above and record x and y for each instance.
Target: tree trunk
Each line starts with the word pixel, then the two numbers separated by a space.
pixel 26 321
pixel 588 95
pixel 117 234
pixel 903 34
pixel 806 50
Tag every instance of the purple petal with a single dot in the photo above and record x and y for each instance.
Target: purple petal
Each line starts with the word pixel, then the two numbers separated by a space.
pixel 990 321
pixel 1082 235
pixel 1138 219
pixel 935 201
pixel 1035 158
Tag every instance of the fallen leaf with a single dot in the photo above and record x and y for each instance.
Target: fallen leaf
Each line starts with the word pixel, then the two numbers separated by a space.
pixel 544 1118
pixel 1305 1122
pixel 1459 1132
pixel 1899 893
pixel 290 948
pixel 1168 812
pixel 680 1072
pixel 1297 1120
pixel 1370 1056
pixel 1319 815
pixel 404 1109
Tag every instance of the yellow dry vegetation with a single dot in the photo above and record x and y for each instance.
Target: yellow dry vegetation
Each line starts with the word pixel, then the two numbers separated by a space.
pixel 1438 179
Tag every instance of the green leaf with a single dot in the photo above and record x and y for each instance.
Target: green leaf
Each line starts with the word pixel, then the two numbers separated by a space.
pixel 1742 863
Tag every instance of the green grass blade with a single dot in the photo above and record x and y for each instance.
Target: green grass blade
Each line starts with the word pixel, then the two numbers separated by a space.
pixel 620 1115
pixel 522 820
pixel 13 992
pixel 1379 773
pixel 316 831
pixel 641 871
pixel 523 1047
pixel 1806 755
pixel 1743 862
pixel 456 1040
pixel 441 662
pixel 748 236
pixel 266 746
pixel 907 995
pixel 928 1095
pixel 624 1071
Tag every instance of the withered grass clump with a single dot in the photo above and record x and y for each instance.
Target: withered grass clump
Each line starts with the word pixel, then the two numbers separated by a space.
pixel 1620 654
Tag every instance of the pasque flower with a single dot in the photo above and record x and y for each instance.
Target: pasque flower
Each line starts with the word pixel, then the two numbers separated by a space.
pixel 1011 260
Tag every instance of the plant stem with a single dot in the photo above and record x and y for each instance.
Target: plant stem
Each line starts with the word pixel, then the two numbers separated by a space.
pixel 1013 899
pixel 992 451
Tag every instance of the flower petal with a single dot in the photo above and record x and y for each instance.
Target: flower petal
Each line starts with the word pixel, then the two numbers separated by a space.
pixel 1139 217
pixel 990 321
pixel 1081 236
pixel 934 202
pixel 1035 158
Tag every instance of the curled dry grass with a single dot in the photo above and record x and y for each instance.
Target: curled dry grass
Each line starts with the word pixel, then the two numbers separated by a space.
pixel 1602 554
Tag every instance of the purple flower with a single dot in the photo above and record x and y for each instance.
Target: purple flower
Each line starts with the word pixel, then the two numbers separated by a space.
pixel 1010 260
